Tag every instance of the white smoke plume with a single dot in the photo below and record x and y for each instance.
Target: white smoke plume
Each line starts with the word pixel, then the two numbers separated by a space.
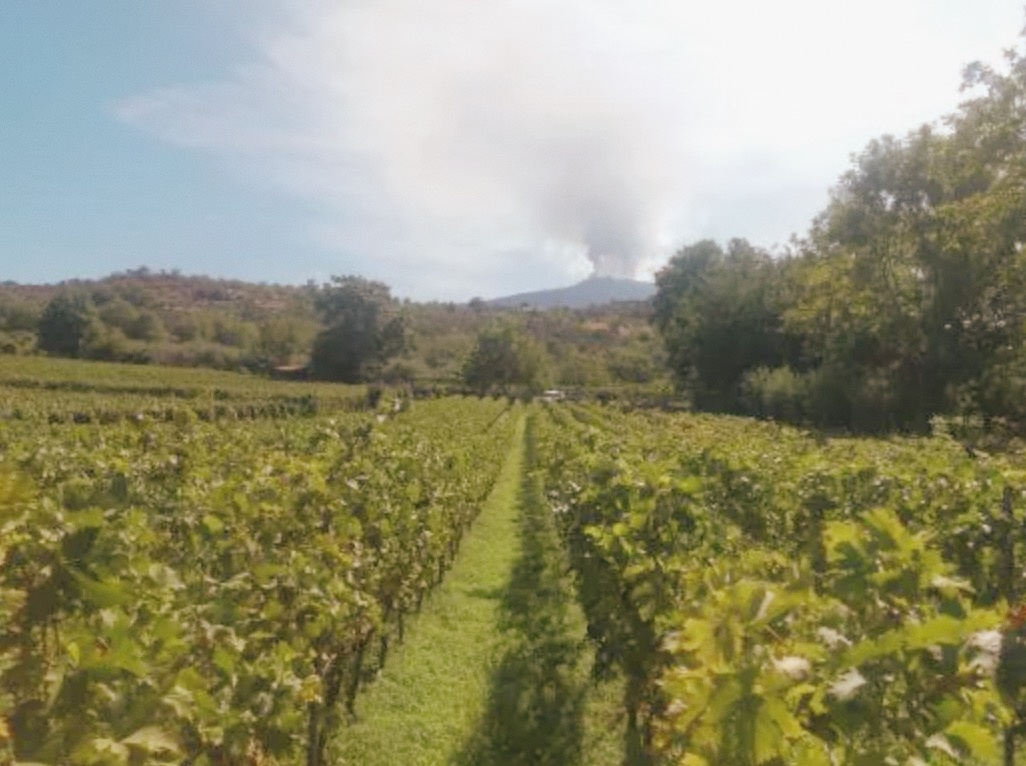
pixel 451 146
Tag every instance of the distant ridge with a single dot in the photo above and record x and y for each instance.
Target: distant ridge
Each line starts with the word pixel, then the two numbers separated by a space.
pixel 593 291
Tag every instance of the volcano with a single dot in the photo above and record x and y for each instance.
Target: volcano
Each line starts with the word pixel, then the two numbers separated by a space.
pixel 594 291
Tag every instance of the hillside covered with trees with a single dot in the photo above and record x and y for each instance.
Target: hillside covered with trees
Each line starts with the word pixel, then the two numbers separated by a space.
pixel 350 329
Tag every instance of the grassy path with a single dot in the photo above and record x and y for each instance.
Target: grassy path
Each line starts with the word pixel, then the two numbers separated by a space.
pixel 495 669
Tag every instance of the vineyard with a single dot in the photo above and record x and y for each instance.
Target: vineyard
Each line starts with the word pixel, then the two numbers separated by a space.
pixel 775 597
pixel 206 568
pixel 215 590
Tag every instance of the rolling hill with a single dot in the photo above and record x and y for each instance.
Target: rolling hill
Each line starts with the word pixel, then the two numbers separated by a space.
pixel 593 291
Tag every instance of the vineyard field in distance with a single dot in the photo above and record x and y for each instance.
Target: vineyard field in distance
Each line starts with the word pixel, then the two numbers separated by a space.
pixel 209 568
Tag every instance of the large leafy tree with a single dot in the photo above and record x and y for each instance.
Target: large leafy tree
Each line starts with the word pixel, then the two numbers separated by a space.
pixel 64 324
pixel 719 315
pixel 364 329
pixel 504 358
pixel 915 276
pixel 906 299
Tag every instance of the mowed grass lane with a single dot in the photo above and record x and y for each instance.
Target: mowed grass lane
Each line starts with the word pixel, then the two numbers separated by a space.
pixel 496 668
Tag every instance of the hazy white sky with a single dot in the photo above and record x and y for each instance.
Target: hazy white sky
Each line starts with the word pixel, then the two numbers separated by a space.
pixel 457 147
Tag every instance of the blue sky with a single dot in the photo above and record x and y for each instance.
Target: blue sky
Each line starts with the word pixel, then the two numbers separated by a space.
pixel 82 193
pixel 449 148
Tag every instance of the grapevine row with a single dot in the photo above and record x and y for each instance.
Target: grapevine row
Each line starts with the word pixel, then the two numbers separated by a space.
pixel 215 593
pixel 776 598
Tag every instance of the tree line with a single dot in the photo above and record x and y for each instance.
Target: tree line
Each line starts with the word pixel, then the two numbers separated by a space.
pixel 906 299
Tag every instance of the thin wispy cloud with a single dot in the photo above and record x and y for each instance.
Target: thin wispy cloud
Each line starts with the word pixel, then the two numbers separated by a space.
pixel 453 147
